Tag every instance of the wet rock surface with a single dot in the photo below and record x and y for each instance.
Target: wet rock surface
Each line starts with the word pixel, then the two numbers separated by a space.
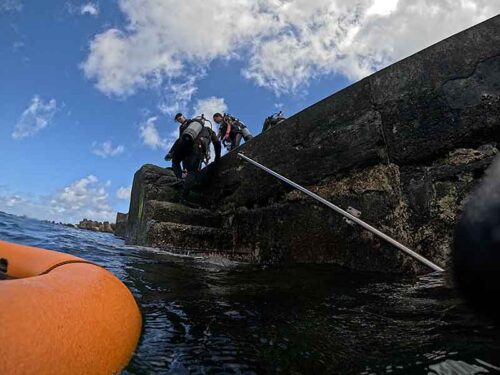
pixel 151 183
pixel 404 146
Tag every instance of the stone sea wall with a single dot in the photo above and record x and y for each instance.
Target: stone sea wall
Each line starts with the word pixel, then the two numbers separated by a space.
pixel 404 146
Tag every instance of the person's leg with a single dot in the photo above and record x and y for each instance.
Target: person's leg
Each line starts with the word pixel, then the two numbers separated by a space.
pixel 178 156
pixel 176 166
pixel 236 141
pixel 192 164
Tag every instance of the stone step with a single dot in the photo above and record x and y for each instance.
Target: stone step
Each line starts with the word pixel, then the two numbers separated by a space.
pixel 188 238
pixel 169 212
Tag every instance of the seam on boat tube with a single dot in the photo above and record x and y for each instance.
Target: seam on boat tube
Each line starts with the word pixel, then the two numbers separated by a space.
pixel 65 263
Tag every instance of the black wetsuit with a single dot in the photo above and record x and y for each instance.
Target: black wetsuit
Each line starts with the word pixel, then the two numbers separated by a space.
pixel 235 135
pixel 191 154
pixel 200 148
pixel 179 150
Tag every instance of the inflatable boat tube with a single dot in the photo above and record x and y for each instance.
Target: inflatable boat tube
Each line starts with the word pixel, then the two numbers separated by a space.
pixel 60 314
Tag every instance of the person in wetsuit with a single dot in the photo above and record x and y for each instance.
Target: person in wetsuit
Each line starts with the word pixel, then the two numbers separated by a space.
pixel 191 153
pixel 273 120
pixel 231 130
pixel 178 152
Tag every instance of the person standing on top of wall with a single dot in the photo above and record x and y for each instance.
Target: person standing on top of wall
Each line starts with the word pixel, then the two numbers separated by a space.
pixel 231 130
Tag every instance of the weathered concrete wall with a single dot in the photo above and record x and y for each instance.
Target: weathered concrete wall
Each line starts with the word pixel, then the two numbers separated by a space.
pixel 405 146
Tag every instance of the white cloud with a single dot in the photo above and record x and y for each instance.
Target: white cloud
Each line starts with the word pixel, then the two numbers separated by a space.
pixel 382 7
pixel 91 9
pixel 106 149
pixel 84 198
pixel 151 137
pixel 124 193
pixel 282 44
pixel 157 47
pixel 10 6
pixel 121 65
pixel 209 106
pixel 355 41
pixel 178 95
pixel 14 200
pixel 18 205
pixel 36 117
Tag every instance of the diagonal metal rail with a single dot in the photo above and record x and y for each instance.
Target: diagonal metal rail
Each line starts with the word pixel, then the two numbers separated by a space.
pixel 346 214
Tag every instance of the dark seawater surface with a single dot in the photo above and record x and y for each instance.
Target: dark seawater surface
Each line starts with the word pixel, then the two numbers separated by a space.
pixel 205 316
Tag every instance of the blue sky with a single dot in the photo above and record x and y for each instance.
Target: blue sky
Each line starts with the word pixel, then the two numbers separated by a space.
pixel 88 89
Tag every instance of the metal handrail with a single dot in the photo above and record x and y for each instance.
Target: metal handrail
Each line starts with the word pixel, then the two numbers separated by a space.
pixel 346 214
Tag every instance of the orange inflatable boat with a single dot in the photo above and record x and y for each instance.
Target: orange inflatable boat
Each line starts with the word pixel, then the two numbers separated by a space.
pixel 60 314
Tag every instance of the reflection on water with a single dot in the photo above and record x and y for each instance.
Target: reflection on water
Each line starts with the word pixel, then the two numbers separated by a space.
pixel 212 316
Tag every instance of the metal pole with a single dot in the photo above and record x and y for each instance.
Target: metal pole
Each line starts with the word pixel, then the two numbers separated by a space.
pixel 358 221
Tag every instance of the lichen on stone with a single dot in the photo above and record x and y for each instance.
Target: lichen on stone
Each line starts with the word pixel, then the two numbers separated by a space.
pixel 468 155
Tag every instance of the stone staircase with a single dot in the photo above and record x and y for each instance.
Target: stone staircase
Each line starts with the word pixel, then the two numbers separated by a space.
pixel 178 228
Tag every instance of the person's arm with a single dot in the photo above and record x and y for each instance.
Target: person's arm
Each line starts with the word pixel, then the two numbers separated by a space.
pixel 229 126
pixel 217 146
pixel 170 154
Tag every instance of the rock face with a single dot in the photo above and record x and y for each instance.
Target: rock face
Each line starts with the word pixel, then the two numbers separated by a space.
pixel 404 146
pixel 121 224
pixel 96 226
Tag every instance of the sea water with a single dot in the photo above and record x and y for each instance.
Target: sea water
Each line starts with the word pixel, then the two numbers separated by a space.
pixel 206 315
